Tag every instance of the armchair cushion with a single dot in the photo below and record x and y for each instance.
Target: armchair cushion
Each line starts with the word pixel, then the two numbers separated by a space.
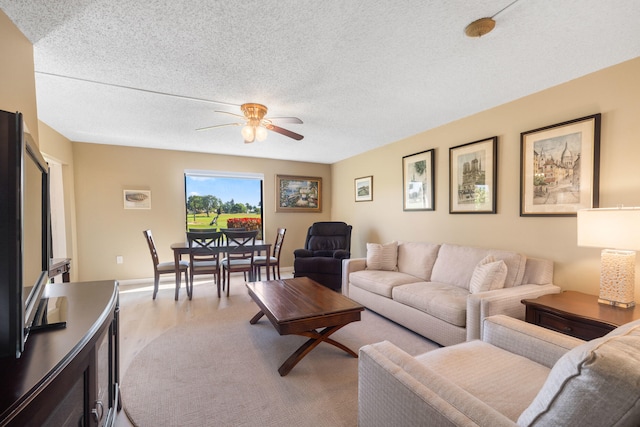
pixel 596 383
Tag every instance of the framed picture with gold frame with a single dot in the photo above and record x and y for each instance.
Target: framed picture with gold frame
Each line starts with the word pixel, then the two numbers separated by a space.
pixel 298 193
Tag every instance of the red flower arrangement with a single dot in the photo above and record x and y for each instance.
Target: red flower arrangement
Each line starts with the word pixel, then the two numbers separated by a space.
pixel 246 223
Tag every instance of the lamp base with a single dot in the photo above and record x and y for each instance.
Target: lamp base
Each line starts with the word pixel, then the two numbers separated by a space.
pixel 617 278
pixel 617 303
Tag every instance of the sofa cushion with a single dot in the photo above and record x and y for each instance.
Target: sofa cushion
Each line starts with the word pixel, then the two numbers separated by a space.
pixel 505 381
pixel 378 281
pixel 417 258
pixel 382 257
pixel 595 383
pixel 455 265
pixel 488 275
pixel 446 302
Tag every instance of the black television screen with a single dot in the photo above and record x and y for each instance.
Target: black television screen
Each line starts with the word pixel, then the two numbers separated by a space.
pixel 24 232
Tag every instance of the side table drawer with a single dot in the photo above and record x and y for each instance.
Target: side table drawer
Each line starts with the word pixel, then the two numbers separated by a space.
pixel 585 331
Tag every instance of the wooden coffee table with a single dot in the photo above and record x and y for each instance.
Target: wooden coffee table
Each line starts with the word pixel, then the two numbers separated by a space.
pixel 299 306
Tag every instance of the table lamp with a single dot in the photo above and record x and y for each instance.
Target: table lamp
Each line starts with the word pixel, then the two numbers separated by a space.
pixel 618 229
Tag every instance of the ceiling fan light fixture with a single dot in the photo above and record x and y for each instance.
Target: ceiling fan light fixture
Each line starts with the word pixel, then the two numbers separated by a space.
pixel 260 133
pixel 480 27
pixel 248 133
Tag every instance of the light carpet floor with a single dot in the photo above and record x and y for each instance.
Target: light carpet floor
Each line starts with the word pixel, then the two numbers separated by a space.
pixel 223 371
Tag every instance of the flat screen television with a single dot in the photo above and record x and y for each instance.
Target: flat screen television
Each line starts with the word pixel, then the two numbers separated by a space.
pixel 25 232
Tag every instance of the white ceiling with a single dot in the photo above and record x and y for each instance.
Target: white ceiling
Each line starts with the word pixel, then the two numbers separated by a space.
pixel 360 74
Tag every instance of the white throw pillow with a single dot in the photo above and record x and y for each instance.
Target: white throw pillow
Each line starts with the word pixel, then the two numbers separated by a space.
pixel 382 257
pixel 488 275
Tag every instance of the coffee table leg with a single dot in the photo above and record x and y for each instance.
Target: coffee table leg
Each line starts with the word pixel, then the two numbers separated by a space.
pixel 257 317
pixel 304 349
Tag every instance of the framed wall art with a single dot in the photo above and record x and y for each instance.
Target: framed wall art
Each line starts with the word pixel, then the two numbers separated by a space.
pixel 559 168
pixel 418 181
pixel 298 194
pixel 364 189
pixel 473 177
pixel 137 199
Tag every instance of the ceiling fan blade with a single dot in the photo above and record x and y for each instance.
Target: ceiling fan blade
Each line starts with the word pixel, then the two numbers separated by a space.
pixel 220 126
pixel 284 132
pixel 231 114
pixel 286 119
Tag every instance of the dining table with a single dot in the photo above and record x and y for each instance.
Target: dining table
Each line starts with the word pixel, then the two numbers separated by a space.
pixel 182 248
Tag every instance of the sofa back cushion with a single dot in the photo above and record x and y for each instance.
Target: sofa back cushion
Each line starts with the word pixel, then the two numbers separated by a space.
pixel 417 258
pixel 455 265
pixel 594 384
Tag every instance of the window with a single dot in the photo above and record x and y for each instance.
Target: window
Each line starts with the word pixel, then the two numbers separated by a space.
pixel 216 200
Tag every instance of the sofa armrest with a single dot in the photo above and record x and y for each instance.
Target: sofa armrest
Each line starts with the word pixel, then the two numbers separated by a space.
pixel 394 389
pixel 349 266
pixel 506 301
pixel 536 343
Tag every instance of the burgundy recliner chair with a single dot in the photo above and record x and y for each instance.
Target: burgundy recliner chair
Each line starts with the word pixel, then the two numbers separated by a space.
pixel 326 245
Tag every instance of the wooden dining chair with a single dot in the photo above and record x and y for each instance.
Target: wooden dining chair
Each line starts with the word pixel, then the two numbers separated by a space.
pixel 260 261
pixel 204 256
pixel 164 267
pixel 239 255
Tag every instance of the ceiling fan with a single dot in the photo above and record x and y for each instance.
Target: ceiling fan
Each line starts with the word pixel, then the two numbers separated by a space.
pixel 256 124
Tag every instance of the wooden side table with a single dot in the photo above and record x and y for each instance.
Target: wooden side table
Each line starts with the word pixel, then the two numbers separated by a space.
pixel 577 314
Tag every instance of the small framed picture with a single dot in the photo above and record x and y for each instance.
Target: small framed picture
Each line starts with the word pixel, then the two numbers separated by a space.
pixel 298 194
pixel 418 181
pixel 473 177
pixel 559 168
pixel 364 189
pixel 137 199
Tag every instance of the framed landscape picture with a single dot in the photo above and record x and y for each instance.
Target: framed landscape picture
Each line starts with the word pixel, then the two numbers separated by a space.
pixel 364 189
pixel 473 177
pixel 559 168
pixel 298 194
pixel 418 181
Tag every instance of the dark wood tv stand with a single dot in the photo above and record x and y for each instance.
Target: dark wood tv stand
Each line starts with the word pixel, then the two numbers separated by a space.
pixel 67 376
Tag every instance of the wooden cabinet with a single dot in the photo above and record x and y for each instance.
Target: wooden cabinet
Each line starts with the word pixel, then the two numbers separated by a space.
pixel 577 314
pixel 68 376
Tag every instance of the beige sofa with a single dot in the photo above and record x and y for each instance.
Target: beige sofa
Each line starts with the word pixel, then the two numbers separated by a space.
pixel 518 375
pixel 443 291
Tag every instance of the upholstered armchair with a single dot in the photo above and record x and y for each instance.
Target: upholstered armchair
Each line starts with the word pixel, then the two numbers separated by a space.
pixel 326 245
pixel 518 375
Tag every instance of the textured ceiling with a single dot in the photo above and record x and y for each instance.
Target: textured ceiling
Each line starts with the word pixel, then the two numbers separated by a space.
pixel 360 74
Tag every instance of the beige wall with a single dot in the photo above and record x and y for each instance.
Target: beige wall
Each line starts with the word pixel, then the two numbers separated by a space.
pixel 106 230
pixel 17 80
pixel 614 92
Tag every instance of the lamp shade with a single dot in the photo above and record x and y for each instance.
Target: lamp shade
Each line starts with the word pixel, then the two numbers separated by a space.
pixel 614 228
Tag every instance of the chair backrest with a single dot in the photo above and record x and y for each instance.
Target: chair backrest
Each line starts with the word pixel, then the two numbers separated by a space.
pixel 152 247
pixel 277 246
pixel 202 244
pixel 202 230
pixel 239 244
pixel 329 235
